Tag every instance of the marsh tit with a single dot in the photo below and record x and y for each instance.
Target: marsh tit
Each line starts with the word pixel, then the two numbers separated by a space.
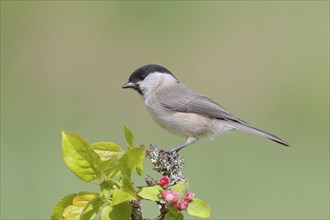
pixel 183 112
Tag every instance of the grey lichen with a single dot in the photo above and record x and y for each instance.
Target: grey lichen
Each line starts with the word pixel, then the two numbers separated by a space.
pixel 167 163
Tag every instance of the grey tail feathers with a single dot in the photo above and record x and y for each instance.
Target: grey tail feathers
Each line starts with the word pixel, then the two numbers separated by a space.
pixel 252 130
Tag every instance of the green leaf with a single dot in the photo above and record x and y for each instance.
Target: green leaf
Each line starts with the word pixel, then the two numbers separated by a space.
pixel 121 212
pixel 106 189
pixel 79 157
pixel 72 206
pixel 129 136
pixel 79 203
pixel 170 216
pixel 199 208
pixel 180 216
pixel 106 150
pixel 58 209
pixel 181 188
pixel 139 168
pixel 120 196
pixel 151 193
pixel 132 160
pixel 110 154
pixel 178 187
pixel 111 167
pixel 105 195
pixel 173 214
pixel 105 213
pixel 92 208
pixel 108 184
pixel 127 186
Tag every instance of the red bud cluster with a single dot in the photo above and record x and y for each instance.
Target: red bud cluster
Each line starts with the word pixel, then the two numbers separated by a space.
pixel 172 197
pixel 164 182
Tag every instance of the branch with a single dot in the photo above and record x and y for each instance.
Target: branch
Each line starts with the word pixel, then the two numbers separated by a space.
pixel 167 164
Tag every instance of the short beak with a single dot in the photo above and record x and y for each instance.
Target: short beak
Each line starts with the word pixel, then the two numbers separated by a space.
pixel 128 85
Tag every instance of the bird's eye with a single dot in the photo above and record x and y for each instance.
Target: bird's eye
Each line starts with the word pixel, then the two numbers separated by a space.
pixel 142 77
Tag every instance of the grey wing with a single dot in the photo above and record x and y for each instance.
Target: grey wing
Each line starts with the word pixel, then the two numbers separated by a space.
pixel 182 99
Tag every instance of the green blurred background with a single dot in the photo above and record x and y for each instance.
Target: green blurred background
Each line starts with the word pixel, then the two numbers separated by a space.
pixel 63 64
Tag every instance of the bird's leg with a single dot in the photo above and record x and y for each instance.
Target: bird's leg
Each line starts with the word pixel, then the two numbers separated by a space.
pixel 190 140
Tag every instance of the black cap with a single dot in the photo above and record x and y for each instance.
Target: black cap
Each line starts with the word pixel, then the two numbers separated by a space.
pixel 142 72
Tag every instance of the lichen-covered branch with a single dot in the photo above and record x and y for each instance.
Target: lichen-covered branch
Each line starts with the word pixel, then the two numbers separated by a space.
pixel 166 163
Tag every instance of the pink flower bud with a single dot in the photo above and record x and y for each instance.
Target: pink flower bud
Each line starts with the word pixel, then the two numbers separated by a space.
pixel 182 205
pixel 164 193
pixel 164 181
pixel 171 197
pixel 189 196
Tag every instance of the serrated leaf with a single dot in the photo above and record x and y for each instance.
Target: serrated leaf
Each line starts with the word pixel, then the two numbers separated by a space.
pixel 131 160
pixel 151 193
pixel 129 136
pixel 72 212
pixel 72 206
pixel 110 154
pixel 199 208
pixel 79 157
pixel 105 213
pixel 81 200
pixel 79 203
pixel 121 212
pixel 92 208
pixel 111 167
pixel 106 150
pixel 58 209
pixel 120 196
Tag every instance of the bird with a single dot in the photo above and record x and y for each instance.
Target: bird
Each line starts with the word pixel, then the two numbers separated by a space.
pixel 182 111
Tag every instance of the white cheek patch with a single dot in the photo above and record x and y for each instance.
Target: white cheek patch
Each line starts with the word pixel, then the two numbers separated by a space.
pixel 151 80
pixel 155 81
